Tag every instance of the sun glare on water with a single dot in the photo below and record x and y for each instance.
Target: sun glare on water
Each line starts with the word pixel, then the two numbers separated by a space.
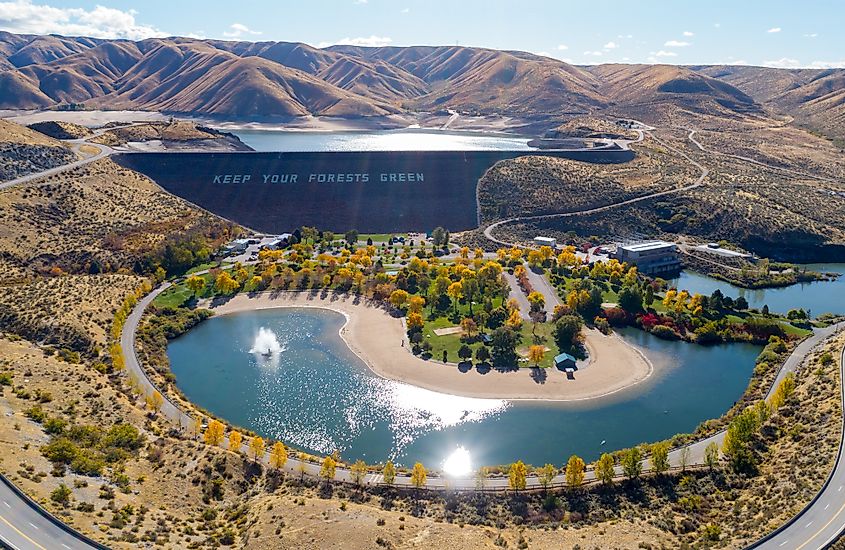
pixel 459 463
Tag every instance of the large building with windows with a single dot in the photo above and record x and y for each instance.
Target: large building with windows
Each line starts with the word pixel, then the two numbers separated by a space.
pixel 651 258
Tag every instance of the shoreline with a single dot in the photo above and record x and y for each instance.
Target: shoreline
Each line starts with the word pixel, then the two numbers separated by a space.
pixel 371 334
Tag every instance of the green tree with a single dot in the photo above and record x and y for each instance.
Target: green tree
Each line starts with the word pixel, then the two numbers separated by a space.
pixel 545 475
pixel 517 475
pixel 660 457
pixel 738 439
pixel 195 284
pixel 61 495
pixel 631 299
pixel 566 331
pixel 465 352
pixel 632 465
pixel 575 471
pixel 503 342
pixel 604 469
pixel 711 455
pixel 351 237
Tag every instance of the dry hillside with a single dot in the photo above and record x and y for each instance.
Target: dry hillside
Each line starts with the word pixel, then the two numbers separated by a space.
pixel 24 151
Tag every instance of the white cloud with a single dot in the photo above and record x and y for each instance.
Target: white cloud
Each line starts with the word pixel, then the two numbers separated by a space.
pixel 717 25
pixel 828 64
pixel 406 10
pixel 562 47
pixel 688 33
pixel 371 41
pixel 773 30
pixel 676 44
pixel 359 2
pixel 611 46
pixel 664 53
pixel 237 30
pixel 811 35
pixel 624 36
pixel 543 54
pixel 22 16
pixel 596 53
pixel 783 63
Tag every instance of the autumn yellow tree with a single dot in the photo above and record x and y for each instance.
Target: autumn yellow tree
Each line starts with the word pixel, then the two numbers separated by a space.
pixel 256 446
pixel 225 284
pixel 517 475
pixel 469 327
pixel 235 440
pixel 455 292
pixel 155 401
pixel 214 433
pixel 604 469
pixel 575 471
pixel 398 298
pixel 415 321
pixel 388 474
pixel 278 455
pixel 418 475
pixel 514 321
pixel 537 301
pixel 195 284
pixel 536 354
pixel 660 457
pixel 327 469
pixel 545 475
pixel 784 391
pixel 358 471
pixel 416 304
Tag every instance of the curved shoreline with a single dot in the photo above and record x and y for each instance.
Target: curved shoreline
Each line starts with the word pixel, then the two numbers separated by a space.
pixel 371 334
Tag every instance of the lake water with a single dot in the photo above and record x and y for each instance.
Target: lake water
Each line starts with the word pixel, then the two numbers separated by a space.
pixel 379 140
pixel 317 395
pixel 819 297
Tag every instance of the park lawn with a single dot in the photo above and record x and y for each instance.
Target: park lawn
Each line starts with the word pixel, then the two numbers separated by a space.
pixel 203 267
pixel 179 293
pixel 379 237
pixel 451 343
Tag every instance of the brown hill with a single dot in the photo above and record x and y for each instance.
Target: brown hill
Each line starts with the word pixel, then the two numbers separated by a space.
pixel 24 151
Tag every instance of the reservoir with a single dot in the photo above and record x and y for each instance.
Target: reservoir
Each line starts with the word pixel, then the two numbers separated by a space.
pixel 379 140
pixel 315 394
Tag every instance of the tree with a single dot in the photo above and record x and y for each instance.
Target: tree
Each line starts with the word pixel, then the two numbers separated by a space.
pixel 683 458
pixel 327 469
pixel 741 303
pixel 415 321
pixel 469 287
pixel 278 455
pixel 566 331
pixel 214 433
pixel 632 465
pixel 545 475
pixel 455 292
pixel 256 446
pixel 738 438
pixel 195 284
pixel 440 238
pixel 481 477
pixel 503 342
pixel 536 354
pixel 235 441
pixel 155 401
pixel 482 354
pixel 575 471
pixel 469 327
pixel 784 391
pixel 711 455
pixel 631 299
pixel 358 471
pixel 660 457
pixel 465 352
pixel 514 320
pixel 398 298
pixel 225 284
pixel 416 304
pixel 351 236
pixel 648 299
pixel 604 469
pixel 537 301
pixel 517 475
pixel 389 473
pixel 418 475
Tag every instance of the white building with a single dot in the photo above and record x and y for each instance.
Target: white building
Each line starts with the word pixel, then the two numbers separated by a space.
pixel 651 258
pixel 545 241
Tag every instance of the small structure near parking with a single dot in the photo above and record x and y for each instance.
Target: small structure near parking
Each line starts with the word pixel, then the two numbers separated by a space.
pixel 565 362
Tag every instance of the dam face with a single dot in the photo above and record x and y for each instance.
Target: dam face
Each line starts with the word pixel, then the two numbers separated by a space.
pixel 371 191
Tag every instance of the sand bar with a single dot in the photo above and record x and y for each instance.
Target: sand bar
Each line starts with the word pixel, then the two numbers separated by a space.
pixel 379 340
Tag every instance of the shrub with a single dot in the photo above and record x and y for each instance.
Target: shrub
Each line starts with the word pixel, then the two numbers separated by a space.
pixel 61 495
pixel 667 333
pixel 36 414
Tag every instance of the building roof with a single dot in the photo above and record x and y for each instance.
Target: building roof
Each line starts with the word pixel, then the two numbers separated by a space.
pixel 564 357
pixel 650 245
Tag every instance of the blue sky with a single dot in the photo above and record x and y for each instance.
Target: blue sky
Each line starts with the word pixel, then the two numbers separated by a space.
pixel 756 32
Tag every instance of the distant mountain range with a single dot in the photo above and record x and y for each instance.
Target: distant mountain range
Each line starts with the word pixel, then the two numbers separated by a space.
pixel 280 80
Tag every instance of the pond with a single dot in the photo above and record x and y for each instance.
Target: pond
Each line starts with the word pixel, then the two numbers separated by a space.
pixel 818 297
pixel 315 394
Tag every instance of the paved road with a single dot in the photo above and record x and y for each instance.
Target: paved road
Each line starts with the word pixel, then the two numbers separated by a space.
pixel 488 231
pixel 824 520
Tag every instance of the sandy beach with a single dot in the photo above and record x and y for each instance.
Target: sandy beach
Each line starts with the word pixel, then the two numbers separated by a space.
pixel 379 340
